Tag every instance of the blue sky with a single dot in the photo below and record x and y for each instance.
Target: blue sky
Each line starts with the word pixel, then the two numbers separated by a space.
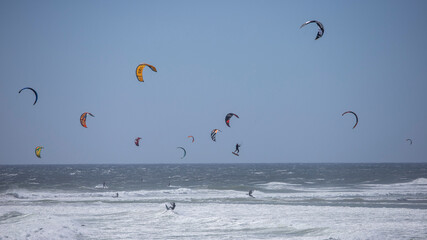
pixel 213 57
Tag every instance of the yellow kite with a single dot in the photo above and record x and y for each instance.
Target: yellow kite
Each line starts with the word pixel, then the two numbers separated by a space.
pixel 140 68
pixel 38 150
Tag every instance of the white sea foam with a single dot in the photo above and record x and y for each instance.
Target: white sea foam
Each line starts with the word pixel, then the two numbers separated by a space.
pixel 38 223
pixel 9 174
pixel 75 172
pixel 277 192
pixel 413 189
pixel 210 221
pixel 276 185
pixel 419 181
pixel 101 186
pixel 209 214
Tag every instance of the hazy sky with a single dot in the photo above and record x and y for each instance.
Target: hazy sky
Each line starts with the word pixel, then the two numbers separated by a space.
pixel 213 57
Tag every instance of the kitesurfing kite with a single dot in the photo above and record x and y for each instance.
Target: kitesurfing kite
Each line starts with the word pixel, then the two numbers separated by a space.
pixel 83 118
pixel 140 68
pixel 192 138
pixel 227 118
pixel 357 119
pixel 185 152
pixel 213 134
pixel 319 24
pixel 34 91
pixel 137 141
pixel 410 141
pixel 38 150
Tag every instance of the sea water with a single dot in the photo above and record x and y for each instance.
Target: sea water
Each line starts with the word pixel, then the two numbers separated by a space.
pixel 291 201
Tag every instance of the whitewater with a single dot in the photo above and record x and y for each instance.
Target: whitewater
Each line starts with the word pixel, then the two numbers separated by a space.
pixel 291 201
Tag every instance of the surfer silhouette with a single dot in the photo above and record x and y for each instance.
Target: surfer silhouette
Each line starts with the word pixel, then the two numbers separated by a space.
pixel 250 193
pixel 236 152
pixel 171 207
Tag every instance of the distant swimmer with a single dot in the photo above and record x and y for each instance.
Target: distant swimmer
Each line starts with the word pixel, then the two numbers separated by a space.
pixel 171 206
pixel 250 193
pixel 169 184
pixel 236 152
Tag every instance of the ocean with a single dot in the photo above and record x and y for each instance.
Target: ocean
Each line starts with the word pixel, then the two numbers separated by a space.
pixel 290 201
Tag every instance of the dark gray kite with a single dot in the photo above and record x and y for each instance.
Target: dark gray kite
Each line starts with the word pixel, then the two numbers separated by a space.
pixel 357 119
pixel 227 118
pixel 319 24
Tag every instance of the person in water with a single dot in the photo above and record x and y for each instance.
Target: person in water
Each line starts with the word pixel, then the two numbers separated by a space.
pixel 250 193
pixel 237 148
pixel 116 196
pixel 171 207
pixel 104 185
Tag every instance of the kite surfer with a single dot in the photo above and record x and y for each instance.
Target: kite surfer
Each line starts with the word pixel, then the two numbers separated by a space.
pixel 236 152
pixel 237 148
pixel 171 207
pixel 250 193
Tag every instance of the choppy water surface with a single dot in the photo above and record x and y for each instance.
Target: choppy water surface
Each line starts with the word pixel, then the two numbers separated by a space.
pixel 292 201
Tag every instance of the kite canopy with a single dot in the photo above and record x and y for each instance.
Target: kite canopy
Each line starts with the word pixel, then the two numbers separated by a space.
pixel 410 141
pixel 319 24
pixel 140 68
pixel 38 150
pixel 213 134
pixel 192 138
pixel 34 91
pixel 137 141
pixel 227 118
pixel 83 118
pixel 357 119
pixel 185 152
